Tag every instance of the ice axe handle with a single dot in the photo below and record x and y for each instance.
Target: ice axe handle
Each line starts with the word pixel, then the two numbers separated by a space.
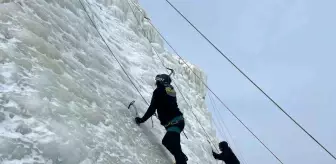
pixel 171 71
pixel 136 110
pixel 129 106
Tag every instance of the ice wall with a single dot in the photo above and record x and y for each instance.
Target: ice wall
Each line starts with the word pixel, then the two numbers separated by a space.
pixel 63 96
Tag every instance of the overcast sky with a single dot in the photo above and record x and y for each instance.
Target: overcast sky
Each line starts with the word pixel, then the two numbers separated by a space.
pixel 288 47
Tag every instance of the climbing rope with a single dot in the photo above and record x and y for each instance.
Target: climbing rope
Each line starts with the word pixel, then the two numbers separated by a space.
pixel 218 113
pixel 108 47
pixel 249 79
pixel 127 73
pixel 210 89
pixel 208 138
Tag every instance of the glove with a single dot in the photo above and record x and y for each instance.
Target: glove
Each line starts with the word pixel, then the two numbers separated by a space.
pixel 215 155
pixel 138 120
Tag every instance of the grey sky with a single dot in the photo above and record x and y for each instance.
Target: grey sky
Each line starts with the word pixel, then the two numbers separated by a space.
pixel 288 47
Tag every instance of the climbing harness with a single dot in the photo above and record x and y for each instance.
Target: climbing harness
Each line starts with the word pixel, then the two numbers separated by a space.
pixel 174 121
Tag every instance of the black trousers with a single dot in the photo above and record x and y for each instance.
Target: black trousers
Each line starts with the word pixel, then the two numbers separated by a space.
pixel 172 141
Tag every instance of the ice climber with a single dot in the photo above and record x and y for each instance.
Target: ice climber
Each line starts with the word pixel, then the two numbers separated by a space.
pixel 170 116
pixel 227 154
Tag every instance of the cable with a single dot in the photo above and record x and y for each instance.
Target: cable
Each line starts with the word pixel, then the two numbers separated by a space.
pixel 198 121
pixel 125 70
pixel 208 138
pixel 226 128
pixel 113 54
pixel 212 91
pixel 207 135
pixel 184 97
pixel 221 129
pixel 229 60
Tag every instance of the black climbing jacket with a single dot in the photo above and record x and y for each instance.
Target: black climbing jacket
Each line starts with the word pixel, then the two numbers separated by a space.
pixel 227 156
pixel 164 101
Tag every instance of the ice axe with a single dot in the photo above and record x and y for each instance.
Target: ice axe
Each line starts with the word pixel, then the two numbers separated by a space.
pixel 171 71
pixel 136 110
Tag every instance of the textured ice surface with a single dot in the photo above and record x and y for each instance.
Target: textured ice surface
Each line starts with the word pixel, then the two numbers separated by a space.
pixel 63 96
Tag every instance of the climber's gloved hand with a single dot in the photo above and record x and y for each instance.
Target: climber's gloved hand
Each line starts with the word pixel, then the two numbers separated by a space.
pixel 138 120
pixel 215 155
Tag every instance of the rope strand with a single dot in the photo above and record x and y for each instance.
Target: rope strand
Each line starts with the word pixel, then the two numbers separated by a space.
pixel 249 79
pixel 173 81
pixel 211 89
pixel 94 25
pixel 225 127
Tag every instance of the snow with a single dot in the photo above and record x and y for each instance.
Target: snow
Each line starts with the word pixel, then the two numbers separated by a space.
pixel 64 97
